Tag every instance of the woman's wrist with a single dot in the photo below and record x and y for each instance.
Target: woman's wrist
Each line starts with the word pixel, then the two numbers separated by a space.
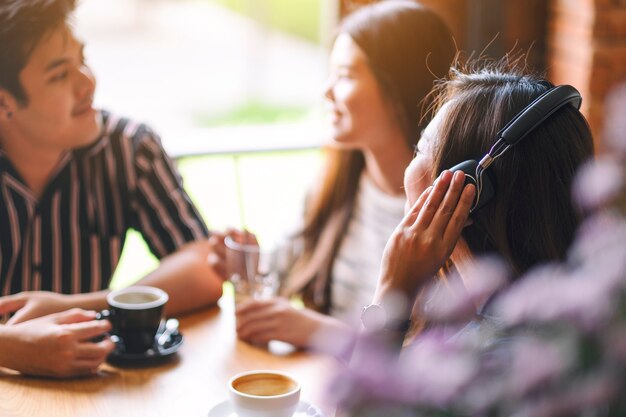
pixel 399 283
pixel 396 302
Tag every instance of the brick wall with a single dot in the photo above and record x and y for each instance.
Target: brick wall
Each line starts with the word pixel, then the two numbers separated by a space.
pixel 587 48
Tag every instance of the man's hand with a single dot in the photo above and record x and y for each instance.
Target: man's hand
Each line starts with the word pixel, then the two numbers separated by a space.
pixel 56 345
pixel 217 258
pixel 32 304
pixel 217 255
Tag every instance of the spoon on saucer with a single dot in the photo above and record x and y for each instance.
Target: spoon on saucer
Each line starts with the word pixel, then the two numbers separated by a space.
pixel 171 327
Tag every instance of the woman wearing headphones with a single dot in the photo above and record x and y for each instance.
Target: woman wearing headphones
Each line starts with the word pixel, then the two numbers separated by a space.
pixel 530 219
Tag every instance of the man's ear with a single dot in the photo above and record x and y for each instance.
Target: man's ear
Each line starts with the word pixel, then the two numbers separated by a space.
pixel 8 105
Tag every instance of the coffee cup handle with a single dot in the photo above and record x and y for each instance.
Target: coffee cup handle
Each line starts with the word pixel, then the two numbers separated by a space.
pixel 106 315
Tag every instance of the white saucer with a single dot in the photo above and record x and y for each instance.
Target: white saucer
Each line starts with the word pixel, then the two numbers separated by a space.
pixel 305 409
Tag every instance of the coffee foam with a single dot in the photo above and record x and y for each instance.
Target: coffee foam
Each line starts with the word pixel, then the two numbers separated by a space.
pixel 264 384
pixel 136 298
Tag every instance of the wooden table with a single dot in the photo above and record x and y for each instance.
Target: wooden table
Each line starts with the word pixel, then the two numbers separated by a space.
pixel 189 385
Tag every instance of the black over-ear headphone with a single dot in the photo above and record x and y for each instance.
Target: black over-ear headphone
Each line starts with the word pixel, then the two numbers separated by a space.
pixel 517 129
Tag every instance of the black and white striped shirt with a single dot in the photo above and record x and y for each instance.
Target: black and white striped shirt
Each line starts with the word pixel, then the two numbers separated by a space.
pixel 70 240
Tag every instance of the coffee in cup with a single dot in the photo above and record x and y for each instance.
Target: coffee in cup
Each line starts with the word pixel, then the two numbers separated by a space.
pixel 264 394
pixel 136 314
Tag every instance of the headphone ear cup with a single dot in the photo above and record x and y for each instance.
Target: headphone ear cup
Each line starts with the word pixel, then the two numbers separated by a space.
pixel 488 190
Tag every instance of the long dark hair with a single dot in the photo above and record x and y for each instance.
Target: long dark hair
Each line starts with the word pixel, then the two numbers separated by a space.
pixel 407 47
pixel 533 218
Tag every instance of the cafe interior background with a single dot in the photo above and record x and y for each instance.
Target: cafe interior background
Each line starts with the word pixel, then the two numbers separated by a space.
pixel 235 87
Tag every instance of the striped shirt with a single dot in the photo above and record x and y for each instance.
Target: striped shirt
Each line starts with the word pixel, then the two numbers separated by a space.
pixel 70 240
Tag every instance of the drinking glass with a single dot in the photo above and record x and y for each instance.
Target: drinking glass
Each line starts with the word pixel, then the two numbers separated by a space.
pixel 251 270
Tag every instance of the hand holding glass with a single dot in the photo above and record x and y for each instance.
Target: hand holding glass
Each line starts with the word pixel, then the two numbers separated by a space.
pixel 251 270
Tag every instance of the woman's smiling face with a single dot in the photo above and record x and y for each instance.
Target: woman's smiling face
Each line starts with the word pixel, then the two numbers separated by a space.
pixel 360 114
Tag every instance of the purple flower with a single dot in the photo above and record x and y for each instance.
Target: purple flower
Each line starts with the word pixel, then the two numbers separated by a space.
pixel 371 375
pixel 598 182
pixel 436 368
pixel 582 296
pixel 596 235
pixel 429 373
pixel 588 393
pixel 536 362
pixel 459 298
pixel 615 342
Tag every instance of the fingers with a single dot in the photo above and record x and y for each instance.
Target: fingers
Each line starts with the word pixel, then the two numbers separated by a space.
pixel 86 355
pixel 74 315
pixel 217 265
pixel 449 204
pixel 22 315
pixel 216 244
pixel 258 315
pixel 258 330
pixel 254 314
pixel 217 255
pixel 248 238
pixel 87 330
pixel 433 201
pixel 413 212
pixel 242 236
pixel 256 318
pixel 84 367
pixel 12 303
pixel 96 351
pixel 461 214
pixel 222 262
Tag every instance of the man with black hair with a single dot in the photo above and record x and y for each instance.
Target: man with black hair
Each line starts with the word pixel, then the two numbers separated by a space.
pixel 73 180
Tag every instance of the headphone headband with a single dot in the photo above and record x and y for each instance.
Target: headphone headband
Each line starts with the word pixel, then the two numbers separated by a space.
pixel 537 112
pixel 512 133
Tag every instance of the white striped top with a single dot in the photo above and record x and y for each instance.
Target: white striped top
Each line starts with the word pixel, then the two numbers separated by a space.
pixel 356 267
pixel 70 240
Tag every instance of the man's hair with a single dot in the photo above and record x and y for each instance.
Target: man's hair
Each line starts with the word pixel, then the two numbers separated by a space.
pixel 23 24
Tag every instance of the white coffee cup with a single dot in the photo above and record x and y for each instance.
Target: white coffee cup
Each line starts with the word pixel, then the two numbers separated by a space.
pixel 264 394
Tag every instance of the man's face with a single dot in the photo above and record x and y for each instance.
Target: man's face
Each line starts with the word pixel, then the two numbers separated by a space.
pixel 60 87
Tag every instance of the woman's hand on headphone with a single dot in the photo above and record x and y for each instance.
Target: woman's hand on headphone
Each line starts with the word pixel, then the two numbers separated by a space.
pixel 426 236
